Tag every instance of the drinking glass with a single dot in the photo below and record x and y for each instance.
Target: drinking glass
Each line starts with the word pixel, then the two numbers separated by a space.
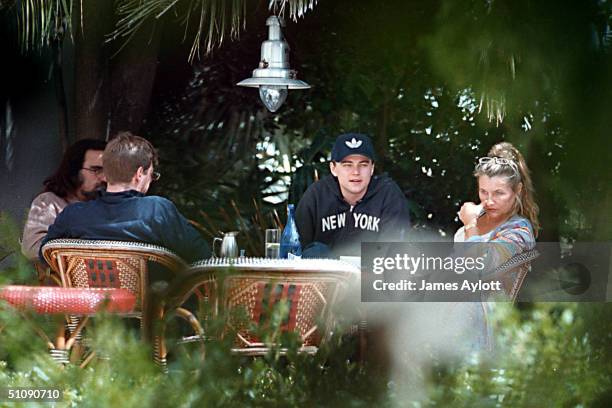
pixel 273 243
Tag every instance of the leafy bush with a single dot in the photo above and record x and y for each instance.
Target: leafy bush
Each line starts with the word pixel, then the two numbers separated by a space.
pixel 546 354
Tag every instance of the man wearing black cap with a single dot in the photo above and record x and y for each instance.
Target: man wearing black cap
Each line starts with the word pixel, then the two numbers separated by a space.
pixel 351 205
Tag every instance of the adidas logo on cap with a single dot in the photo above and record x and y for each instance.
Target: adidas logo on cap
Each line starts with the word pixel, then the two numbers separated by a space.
pixel 353 143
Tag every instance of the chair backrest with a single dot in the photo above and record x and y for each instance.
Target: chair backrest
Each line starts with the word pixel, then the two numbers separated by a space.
pixel 310 287
pixel 108 264
pixel 512 272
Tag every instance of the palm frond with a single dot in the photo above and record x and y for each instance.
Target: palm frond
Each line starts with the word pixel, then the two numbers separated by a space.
pixel 216 19
pixel 297 8
pixel 40 22
pixel 494 104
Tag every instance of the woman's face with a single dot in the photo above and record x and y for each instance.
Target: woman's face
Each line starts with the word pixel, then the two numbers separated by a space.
pixel 496 196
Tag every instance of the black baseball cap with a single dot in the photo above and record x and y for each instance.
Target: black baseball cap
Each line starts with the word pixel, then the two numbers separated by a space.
pixel 352 143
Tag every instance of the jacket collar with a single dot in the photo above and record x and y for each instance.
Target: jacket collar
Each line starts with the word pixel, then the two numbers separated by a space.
pixel 113 197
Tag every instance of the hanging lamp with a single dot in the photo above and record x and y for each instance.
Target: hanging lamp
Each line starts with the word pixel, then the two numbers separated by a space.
pixel 273 76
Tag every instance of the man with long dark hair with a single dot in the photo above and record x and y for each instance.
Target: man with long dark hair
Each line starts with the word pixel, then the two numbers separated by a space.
pixel 77 178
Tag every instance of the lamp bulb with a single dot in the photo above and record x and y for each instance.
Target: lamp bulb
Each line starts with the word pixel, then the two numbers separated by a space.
pixel 273 96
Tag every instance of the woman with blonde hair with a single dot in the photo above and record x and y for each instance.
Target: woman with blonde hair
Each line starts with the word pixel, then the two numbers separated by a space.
pixel 507 213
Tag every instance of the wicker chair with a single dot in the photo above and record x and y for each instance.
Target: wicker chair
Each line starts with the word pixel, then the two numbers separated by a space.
pixel 111 264
pixel 311 287
pixel 512 273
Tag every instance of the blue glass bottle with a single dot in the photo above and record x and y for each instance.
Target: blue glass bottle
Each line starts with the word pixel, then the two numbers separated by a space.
pixel 290 239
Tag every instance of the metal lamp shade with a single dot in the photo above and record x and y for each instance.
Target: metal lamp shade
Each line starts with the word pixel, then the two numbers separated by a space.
pixel 273 77
pixel 256 82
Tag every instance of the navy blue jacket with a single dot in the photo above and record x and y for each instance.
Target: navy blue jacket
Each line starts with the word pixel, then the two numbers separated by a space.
pixel 323 216
pixel 130 216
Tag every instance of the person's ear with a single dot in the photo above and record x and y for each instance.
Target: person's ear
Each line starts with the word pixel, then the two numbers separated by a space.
pixel 332 168
pixel 372 172
pixel 519 188
pixel 138 175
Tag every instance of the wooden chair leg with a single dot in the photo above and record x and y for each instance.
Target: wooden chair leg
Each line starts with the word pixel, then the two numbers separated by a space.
pixel 77 333
pixel 87 359
pixel 60 337
pixel 193 321
pixel 156 334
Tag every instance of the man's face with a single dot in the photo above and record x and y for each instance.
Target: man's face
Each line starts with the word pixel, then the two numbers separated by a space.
pixel 354 173
pixel 91 174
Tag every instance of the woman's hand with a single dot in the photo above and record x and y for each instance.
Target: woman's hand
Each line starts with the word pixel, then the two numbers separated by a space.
pixel 469 212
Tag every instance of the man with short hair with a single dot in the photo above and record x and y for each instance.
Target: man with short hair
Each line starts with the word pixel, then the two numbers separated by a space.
pixel 351 205
pixel 123 212
pixel 78 177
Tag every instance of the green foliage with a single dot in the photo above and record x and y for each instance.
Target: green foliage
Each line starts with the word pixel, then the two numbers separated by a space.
pixel 17 268
pixel 544 65
pixel 508 50
pixel 423 77
pixel 418 76
pixel 547 354
pixel 551 355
